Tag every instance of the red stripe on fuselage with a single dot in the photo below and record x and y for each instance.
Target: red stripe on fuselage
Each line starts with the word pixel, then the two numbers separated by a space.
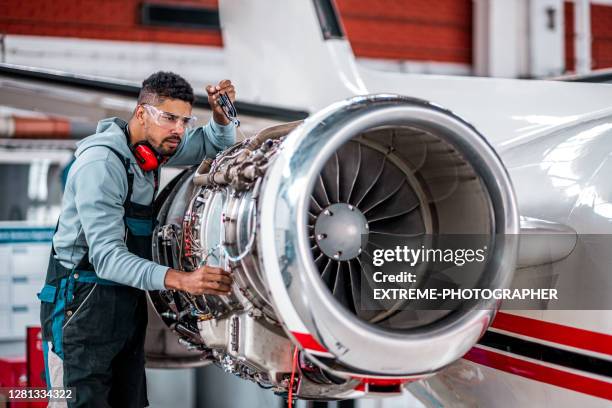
pixel 545 374
pixel 554 332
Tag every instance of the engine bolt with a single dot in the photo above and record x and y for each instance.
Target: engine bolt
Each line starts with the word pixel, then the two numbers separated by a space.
pixel 327 212
pixel 337 255
pixel 321 236
pixel 350 207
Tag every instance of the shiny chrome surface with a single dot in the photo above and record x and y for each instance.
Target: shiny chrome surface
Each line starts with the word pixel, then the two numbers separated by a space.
pixel 308 306
pixel 296 212
pixel 209 217
pixel 340 232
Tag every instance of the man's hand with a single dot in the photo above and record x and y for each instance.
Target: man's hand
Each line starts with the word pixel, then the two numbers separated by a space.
pixel 225 86
pixel 203 281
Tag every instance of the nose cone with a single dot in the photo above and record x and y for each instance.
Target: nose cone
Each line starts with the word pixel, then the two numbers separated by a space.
pixel 341 231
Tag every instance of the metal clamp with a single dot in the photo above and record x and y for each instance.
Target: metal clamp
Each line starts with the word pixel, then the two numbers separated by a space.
pixel 228 108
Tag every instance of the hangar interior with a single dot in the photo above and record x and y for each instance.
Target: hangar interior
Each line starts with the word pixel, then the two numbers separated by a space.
pixel 64 68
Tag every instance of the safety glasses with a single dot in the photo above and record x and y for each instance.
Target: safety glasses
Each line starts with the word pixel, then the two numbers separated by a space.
pixel 169 120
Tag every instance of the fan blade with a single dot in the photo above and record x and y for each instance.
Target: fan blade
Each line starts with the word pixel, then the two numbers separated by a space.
pixel 349 157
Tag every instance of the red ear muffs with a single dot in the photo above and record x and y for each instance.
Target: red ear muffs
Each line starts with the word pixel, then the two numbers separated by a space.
pixel 146 156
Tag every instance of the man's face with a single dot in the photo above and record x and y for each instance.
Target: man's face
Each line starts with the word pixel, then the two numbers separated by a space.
pixel 164 124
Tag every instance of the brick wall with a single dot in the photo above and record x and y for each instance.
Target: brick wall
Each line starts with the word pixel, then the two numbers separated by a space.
pixel 601 24
pixel 601 32
pixel 97 19
pixel 425 30
pixel 568 11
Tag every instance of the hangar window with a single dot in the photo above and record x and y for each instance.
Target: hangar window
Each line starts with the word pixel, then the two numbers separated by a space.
pixel 179 16
pixel 33 191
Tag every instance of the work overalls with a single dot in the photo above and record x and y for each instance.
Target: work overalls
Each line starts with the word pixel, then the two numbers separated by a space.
pixel 94 329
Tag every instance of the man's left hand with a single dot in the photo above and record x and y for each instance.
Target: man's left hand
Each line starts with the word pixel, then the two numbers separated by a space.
pixel 224 86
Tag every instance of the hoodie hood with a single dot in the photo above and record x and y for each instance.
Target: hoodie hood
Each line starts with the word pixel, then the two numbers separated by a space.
pixel 108 133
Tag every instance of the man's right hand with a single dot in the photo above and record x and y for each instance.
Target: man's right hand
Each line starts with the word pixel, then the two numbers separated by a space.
pixel 205 280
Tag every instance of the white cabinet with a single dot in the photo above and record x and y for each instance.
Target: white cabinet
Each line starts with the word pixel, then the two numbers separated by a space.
pixel 6 257
pixel 30 259
pixel 5 321
pixel 23 316
pixel 5 292
pixel 25 288
pixel 23 267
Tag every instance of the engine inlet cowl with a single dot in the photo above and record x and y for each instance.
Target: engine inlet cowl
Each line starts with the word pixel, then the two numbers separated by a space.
pixel 351 177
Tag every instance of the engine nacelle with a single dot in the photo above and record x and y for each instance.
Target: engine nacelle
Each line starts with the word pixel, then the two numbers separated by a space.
pixel 296 213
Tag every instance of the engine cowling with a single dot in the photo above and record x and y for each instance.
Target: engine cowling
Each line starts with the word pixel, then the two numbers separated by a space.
pixel 296 213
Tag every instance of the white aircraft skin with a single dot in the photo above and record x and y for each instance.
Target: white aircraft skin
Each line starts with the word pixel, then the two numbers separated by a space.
pixel 555 139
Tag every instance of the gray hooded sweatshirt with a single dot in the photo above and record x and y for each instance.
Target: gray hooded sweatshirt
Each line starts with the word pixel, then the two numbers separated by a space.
pixel 96 187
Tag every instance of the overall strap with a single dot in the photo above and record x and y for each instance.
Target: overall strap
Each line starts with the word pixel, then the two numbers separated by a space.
pixel 53 247
pixel 130 175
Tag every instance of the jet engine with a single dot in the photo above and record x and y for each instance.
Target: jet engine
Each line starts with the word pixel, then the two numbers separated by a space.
pixel 296 213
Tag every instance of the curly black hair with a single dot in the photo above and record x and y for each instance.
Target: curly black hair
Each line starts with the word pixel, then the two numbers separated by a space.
pixel 162 85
